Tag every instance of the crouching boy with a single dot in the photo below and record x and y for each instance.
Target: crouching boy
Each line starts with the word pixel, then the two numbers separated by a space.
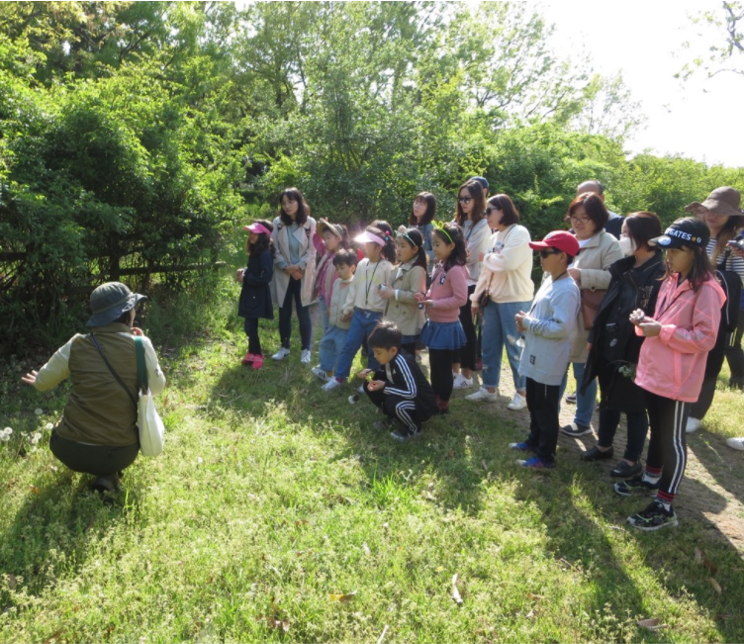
pixel 547 329
pixel 399 387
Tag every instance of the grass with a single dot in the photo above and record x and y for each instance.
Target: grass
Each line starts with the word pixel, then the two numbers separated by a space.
pixel 278 514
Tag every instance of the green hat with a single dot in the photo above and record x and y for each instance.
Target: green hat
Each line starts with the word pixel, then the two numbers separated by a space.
pixel 109 301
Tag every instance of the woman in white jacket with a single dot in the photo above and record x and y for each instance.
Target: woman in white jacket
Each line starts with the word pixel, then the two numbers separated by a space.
pixel 294 272
pixel 506 277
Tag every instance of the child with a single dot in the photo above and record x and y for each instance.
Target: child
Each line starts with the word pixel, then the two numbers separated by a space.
pixel 409 278
pixel 328 239
pixel 671 365
pixel 443 332
pixel 334 338
pixel 547 331
pixel 255 296
pixel 398 387
pixel 367 306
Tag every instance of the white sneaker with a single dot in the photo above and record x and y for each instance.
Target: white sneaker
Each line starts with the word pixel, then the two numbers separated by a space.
pixel 332 384
pixel 281 354
pixel 484 394
pixel 693 424
pixel 360 389
pixel 518 403
pixel 319 373
pixel 304 356
pixel 736 443
pixel 461 382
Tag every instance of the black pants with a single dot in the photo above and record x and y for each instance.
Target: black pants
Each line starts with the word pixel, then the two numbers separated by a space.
pixel 440 368
pixel 712 368
pixel 99 460
pixel 409 412
pixel 294 290
pixel 543 402
pixel 466 355
pixel 667 448
pixel 254 342
pixel 735 355
pixel 609 419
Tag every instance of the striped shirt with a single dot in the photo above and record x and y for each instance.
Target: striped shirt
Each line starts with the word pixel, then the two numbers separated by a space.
pixel 733 263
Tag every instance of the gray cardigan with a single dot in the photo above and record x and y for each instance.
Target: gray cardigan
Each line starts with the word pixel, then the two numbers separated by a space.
pixel 549 327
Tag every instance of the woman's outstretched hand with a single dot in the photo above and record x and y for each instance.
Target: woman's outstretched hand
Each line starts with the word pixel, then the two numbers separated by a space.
pixel 30 378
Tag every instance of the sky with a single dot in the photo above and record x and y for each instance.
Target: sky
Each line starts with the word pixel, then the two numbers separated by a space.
pixel 700 118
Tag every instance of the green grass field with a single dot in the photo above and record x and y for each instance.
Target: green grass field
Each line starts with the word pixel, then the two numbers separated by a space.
pixel 277 513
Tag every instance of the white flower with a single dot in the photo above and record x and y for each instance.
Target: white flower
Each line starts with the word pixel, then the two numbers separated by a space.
pixel 5 434
pixel 34 438
pixel 49 427
pixel 38 411
pixel 199 460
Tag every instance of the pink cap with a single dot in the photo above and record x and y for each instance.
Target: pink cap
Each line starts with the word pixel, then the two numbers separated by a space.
pixel 257 227
pixel 366 237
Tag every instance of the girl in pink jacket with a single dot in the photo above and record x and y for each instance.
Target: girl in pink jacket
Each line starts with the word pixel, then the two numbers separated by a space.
pixel 671 364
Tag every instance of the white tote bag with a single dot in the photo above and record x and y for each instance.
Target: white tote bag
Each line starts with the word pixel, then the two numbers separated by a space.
pixel 151 427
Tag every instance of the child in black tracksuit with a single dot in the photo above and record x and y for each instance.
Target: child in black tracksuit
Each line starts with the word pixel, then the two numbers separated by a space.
pixel 399 387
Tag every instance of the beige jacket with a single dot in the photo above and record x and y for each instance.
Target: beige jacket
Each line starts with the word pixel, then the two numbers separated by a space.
pixel 341 291
pixel 507 267
pixel 593 260
pixel 280 283
pixel 403 309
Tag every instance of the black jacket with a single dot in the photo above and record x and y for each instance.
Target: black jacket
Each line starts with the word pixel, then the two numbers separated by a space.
pixel 255 297
pixel 613 338
pixel 408 381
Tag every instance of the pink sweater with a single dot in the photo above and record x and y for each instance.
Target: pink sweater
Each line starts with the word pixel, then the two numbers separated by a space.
pixel 672 364
pixel 449 291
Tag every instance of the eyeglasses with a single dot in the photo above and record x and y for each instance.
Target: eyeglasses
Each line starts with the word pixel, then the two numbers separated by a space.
pixel 491 209
pixel 465 200
pixel 547 253
pixel 579 220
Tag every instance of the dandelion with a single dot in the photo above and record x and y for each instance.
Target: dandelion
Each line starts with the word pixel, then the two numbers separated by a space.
pixel 5 434
pixel 49 427
pixel 34 438
pixel 38 411
pixel 199 460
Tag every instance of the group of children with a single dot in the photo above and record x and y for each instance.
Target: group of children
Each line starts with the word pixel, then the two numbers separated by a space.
pixel 385 301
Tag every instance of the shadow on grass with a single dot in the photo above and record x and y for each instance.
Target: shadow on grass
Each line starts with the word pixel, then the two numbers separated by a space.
pixel 720 461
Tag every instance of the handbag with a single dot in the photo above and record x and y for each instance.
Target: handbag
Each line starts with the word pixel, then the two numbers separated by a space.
pixel 149 424
pixel 590 301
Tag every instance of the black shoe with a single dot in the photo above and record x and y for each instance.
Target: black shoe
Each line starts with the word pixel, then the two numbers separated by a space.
pixel 636 487
pixel 576 430
pixel 404 435
pixel 623 470
pixel 596 454
pixel 104 484
pixel 654 517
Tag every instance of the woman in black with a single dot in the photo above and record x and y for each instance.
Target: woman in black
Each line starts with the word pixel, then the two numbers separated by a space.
pixel 615 347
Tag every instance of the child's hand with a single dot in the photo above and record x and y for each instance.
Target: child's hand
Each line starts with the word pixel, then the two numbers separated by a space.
pixel 402 229
pixel 364 373
pixel 651 328
pixel 576 274
pixel 386 292
pixel 376 385
pixel 239 275
pixel 420 297
pixel 637 316
pixel 481 256
pixel 519 318
pixel 345 317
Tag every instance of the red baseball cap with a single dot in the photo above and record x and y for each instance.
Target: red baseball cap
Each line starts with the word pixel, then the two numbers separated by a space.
pixel 560 239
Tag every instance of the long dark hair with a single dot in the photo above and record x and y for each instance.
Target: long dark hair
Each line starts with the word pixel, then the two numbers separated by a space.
pixel 385 231
pixel 264 241
pixel 451 233
pixel 414 238
pixel 726 234
pixel 701 270
pixel 431 209
pixel 475 190
pixel 303 210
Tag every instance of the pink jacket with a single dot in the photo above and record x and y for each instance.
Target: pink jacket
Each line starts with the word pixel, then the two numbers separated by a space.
pixel 449 290
pixel 672 364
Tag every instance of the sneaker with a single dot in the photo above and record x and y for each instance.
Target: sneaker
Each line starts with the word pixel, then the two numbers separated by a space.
pixel 461 382
pixel 571 398
pixel 281 354
pixel 382 424
pixel 518 403
pixel 304 356
pixel 693 424
pixel 536 463
pixel 332 384
pixel 360 389
pixel 319 373
pixel 736 443
pixel 520 447
pixel 596 454
pixel 484 394
pixel 636 487
pixel 403 435
pixel 576 430
pixel 654 517
pixel 624 471
pixel 248 358
pixel 258 362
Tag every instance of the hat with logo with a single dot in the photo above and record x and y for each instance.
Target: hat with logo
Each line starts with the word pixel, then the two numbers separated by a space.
pixel 560 239
pixel 109 301
pixel 689 232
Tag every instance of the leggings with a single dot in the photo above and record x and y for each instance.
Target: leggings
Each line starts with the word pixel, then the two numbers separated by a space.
pixel 294 290
pixel 440 367
pixel 251 330
pixel 735 355
pixel 466 355
pixel 667 449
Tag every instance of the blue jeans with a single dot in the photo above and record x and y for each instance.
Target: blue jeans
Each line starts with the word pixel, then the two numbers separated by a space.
pixel 585 403
pixel 331 343
pixel 362 323
pixel 498 326
pixel 323 313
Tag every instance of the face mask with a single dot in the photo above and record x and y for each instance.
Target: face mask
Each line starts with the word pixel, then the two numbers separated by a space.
pixel 627 246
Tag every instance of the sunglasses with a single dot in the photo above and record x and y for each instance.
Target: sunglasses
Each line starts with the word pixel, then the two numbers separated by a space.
pixel 491 209
pixel 465 200
pixel 547 253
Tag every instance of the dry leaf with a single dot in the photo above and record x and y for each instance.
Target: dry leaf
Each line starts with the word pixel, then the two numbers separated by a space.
pixel 54 636
pixel 451 454
pixel 533 596
pixel 715 585
pixel 35 489
pixel 12 581
pixel 301 522
pixel 342 598
pixel 530 615
pixel 651 624
pixel 455 592
pixel 698 555
pixel 710 566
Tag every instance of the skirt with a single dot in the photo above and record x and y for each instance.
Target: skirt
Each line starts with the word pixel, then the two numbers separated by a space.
pixel 443 335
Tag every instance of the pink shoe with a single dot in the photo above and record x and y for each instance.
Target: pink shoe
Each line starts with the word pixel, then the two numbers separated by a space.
pixel 258 362
pixel 249 357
